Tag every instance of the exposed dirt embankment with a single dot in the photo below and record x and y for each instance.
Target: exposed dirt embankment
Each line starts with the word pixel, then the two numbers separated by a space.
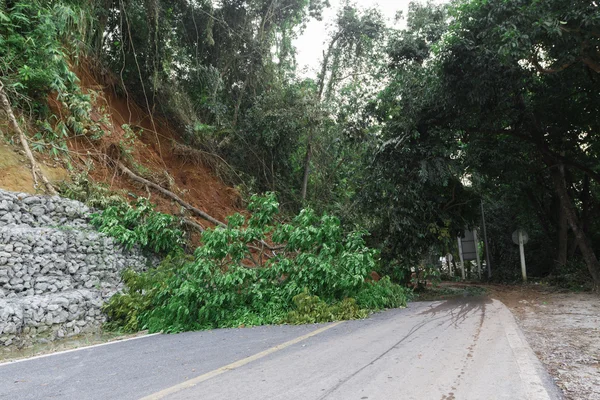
pixel 563 328
pixel 147 147
pixel 15 173
pixel 133 137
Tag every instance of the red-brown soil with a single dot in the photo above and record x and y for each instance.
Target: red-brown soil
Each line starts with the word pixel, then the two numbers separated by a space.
pixel 148 152
pixel 151 152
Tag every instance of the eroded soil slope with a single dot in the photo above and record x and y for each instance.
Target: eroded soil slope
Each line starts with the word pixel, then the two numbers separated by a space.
pixel 15 173
pixel 149 153
pixel 147 144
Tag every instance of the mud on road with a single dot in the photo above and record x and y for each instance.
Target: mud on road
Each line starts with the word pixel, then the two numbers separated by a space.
pixel 563 328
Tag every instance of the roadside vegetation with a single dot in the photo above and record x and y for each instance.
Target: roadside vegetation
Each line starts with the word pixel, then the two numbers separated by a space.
pixel 376 161
pixel 259 271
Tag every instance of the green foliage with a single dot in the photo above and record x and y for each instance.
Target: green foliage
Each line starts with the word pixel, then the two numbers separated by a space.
pixel 201 61
pixel 33 56
pixel 414 196
pixel 572 276
pixel 127 143
pixel 37 46
pixel 311 309
pixel 473 99
pixel 96 195
pixel 140 225
pixel 382 294
pixel 424 275
pixel 271 145
pixel 495 100
pixel 309 274
pixel 124 310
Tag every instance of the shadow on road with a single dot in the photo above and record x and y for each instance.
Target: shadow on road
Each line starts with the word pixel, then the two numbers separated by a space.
pixel 459 308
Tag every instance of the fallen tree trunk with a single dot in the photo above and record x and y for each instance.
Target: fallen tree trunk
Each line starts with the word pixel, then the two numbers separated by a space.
pixel 193 224
pixel 167 193
pixel 12 123
pixel 186 205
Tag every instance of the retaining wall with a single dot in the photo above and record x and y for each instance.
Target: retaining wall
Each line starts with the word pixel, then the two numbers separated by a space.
pixel 56 270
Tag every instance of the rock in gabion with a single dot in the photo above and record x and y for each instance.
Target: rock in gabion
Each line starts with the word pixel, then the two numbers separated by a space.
pixel 56 270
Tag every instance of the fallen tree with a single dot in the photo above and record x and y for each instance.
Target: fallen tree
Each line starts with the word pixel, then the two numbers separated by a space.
pixel 185 204
pixel 167 193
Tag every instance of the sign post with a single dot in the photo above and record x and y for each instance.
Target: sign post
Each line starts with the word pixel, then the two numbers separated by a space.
pixel 521 238
pixel 449 262
pixel 462 260
pixel 477 253
pixel 467 249
pixel 485 241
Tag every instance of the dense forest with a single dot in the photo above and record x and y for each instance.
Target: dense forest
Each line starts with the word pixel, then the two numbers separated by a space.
pixel 376 163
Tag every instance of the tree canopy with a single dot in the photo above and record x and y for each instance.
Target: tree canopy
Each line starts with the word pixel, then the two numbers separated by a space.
pixel 402 131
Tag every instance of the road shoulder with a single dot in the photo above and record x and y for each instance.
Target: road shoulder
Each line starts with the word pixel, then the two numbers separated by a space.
pixel 563 329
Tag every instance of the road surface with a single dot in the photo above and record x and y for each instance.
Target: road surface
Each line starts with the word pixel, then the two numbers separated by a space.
pixel 468 348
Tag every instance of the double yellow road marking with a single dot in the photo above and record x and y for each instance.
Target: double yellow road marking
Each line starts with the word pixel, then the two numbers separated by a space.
pixel 204 377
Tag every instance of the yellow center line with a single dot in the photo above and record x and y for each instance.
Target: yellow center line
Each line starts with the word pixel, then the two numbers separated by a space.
pixel 204 377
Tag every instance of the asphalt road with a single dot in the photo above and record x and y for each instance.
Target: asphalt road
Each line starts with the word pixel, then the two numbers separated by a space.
pixel 461 349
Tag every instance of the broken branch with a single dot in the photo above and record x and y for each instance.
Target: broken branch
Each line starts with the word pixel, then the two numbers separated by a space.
pixel 167 193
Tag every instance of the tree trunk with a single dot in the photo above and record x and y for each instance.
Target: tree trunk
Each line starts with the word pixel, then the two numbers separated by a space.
pixel 167 193
pixel 321 86
pixel 585 214
pixel 324 65
pixel 238 103
pixel 12 122
pixel 153 60
pixel 306 168
pixel 563 242
pixel 563 231
pixel 568 208
pixel 585 203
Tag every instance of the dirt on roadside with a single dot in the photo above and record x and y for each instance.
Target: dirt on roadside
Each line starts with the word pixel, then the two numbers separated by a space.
pixel 44 348
pixel 563 328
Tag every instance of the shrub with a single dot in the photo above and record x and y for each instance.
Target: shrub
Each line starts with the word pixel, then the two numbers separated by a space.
pixel 125 308
pixel 96 195
pixel 39 40
pixel 382 294
pixel 131 225
pixel 311 309
pixel 140 225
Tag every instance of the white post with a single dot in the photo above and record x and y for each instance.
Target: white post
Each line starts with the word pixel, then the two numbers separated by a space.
pixel 477 253
pixel 488 264
pixel 522 253
pixel 462 261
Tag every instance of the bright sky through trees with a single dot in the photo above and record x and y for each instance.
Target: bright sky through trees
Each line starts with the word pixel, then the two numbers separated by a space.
pixel 310 44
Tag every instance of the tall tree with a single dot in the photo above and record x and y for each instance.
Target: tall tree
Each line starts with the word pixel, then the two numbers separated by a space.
pixel 352 55
pixel 491 66
pixel 504 77
pixel 415 196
